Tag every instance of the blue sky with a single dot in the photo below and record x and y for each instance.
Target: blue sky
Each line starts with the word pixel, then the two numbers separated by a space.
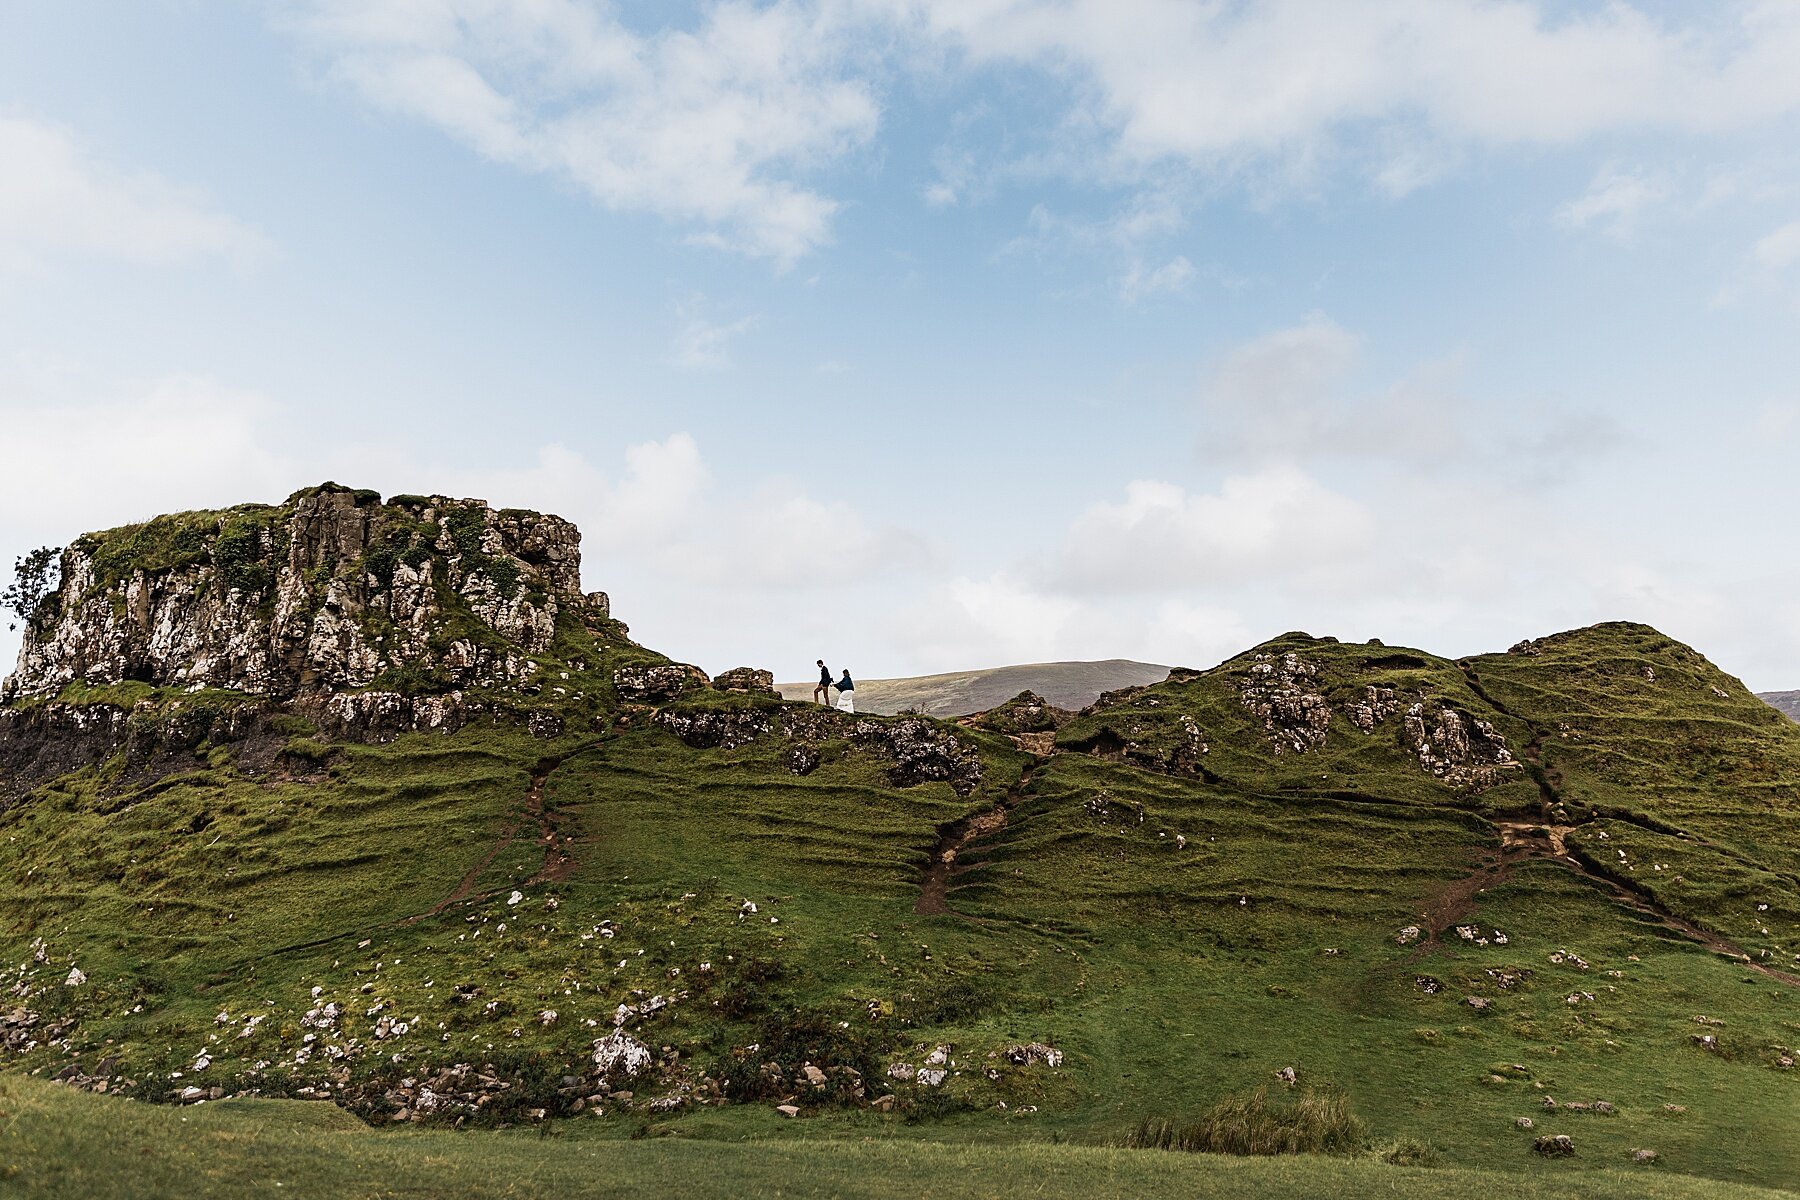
pixel 925 335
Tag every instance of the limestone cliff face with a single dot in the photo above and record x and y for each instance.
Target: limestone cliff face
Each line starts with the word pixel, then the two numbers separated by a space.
pixel 331 591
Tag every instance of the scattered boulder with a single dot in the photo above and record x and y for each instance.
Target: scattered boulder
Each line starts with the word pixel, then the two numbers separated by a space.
pixel 1644 1157
pixel 643 683
pixel 1559 1145
pixel 788 1110
pixel 619 1052
pixel 1033 1052
pixel 746 679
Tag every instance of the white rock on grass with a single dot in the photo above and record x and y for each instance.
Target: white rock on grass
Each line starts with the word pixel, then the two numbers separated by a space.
pixel 619 1051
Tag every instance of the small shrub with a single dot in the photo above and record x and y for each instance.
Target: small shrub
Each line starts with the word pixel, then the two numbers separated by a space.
pixel 1315 1123
pixel 1409 1152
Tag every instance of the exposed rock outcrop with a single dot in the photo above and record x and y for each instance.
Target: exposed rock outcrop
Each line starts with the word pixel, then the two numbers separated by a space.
pixel 1283 693
pixel 1462 751
pixel 331 591
pixel 923 752
pixel 653 683
pixel 1027 712
pixel 746 679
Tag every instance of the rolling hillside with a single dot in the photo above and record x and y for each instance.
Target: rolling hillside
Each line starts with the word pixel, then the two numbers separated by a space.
pixel 365 803
pixel 1067 685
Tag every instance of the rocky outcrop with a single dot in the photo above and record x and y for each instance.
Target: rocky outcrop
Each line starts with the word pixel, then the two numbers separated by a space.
pixel 1376 706
pixel 1283 693
pixel 923 752
pixel 1027 712
pixel 329 592
pixel 1463 751
pixel 746 679
pixel 724 729
pixel 653 683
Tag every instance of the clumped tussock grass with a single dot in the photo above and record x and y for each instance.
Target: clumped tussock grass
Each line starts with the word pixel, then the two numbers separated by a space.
pixel 1315 1123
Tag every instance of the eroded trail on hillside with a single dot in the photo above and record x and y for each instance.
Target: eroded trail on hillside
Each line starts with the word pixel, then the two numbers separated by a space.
pixel 558 844
pixel 954 838
pixel 1524 839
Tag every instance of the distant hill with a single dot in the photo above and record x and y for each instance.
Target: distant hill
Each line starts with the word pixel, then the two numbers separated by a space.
pixel 1787 702
pixel 1071 685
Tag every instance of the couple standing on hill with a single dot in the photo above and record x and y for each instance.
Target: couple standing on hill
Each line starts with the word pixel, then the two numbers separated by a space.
pixel 846 689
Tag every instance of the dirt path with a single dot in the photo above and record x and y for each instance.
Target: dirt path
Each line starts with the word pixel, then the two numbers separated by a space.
pixel 557 843
pixel 934 891
pixel 1525 839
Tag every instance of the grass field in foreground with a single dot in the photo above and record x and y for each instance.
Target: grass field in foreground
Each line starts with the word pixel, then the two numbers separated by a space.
pixel 60 1143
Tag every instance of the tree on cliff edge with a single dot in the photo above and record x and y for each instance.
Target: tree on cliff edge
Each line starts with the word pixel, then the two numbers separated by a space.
pixel 35 579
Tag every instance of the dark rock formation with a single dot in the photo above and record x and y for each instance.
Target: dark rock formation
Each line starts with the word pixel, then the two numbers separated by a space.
pixel 656 684
pixel 923 752
pixel 725 729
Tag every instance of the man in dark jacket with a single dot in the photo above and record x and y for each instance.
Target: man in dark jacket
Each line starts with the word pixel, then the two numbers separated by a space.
pixel 824 686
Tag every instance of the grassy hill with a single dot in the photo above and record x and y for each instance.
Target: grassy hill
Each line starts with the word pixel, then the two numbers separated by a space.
pixel 1787 702
pixel 1463 904
pixel 1068 685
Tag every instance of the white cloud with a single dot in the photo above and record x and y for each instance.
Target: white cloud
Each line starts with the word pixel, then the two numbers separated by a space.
pixel 709 127
pixel 1616 200
pixel 1212 84
pixel 179 442
pixel 1277 521
pixel 57 198
pixel 990 621
pixel 1288 395
pixel 702 344
pixel 1766 270
pixel 1778 250
pixel 1140 283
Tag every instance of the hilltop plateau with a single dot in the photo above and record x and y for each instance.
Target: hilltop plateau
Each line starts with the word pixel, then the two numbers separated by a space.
pixel 362 802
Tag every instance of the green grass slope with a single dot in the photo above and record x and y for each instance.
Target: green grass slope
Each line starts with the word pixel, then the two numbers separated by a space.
pixel 1395 875
pixel 55 1143
pixel 1069 685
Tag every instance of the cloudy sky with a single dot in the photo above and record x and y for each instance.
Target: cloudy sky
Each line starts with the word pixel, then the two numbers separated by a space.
pixel 930 334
